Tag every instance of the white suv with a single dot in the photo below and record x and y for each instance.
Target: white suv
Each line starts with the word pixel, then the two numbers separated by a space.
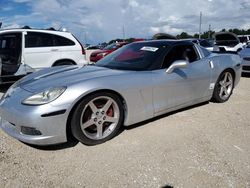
pixel 23 51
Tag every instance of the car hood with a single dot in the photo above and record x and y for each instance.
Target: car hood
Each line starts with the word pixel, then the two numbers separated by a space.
pixel 64 76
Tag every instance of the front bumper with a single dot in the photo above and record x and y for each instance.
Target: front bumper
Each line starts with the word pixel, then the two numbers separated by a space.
pixel 16 116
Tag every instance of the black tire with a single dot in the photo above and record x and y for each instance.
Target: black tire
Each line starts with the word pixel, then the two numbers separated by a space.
pixel 61 63
pixel 82 112
pixel 222 92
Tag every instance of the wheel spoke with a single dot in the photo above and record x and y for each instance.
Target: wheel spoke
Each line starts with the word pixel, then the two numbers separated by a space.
pixel 221 83
pixel 226 92
pixel 221 91
pixel 107 106
pixel 99 131
pixel 225 78
pixel 93 107
pixel 87 124
pixel 111 119
pixel 228 83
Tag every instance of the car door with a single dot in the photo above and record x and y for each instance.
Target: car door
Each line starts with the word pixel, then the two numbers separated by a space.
pixel 183 85
pixel 39 51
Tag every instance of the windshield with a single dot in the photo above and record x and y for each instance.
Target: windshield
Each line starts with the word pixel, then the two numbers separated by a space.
pixel 135 56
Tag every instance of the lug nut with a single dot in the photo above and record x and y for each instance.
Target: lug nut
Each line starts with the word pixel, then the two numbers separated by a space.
pixel 104 118
pixel 95 119
pixel 103 112
pixel 97 113
pixel 99 122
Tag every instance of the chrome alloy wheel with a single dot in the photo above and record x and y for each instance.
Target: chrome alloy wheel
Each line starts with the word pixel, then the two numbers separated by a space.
pixel 226 86
pixel 99 118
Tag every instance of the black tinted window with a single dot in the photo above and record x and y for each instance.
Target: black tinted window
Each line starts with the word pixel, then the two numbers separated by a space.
pixel 134 56
pixel 180 52
pixel 36 39
pixel 62 41
pixel 10 41
pixel 205 43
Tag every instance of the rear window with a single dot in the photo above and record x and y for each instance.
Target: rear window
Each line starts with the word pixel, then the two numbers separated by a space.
pixel 205 43
pixel 62 41
pixel 205 51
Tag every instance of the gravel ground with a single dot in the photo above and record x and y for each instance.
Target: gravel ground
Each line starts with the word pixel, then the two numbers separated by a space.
pixel 204 146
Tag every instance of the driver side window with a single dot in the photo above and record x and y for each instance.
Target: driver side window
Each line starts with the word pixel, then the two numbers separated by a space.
pixel 180 52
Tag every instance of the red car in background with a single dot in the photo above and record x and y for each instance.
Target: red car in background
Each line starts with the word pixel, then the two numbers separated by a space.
pixel 97 55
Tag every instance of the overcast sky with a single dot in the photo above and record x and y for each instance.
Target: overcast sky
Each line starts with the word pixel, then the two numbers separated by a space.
pixel 103 20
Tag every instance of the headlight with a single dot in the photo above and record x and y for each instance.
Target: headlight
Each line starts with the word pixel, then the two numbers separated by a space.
pixel 45 97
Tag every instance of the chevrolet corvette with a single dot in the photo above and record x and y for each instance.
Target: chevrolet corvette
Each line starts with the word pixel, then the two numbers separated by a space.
pixel 137 82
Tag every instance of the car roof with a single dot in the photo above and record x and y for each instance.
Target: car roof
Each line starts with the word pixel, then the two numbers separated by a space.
pixel 35 30
pixel 169 42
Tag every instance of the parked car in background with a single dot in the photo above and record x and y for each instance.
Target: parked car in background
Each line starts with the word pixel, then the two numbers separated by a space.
pixel 23 51
pixel 99 54
pixel 93 47
pixel 226 41
pixel 140 81
pixel 245 55
pixel 245 39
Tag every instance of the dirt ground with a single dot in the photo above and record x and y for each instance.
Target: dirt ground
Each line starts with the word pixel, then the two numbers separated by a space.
pixel 204 146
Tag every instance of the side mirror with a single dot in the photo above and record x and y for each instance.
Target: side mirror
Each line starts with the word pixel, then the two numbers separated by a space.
pixel 177 64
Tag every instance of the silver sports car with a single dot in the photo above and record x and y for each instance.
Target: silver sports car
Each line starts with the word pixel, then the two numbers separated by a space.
pixel 135 83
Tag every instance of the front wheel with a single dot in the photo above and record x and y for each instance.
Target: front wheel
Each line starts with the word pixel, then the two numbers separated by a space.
pixel 97 118
pixel 224 87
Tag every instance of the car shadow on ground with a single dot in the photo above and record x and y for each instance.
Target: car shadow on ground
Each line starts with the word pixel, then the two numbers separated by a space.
pixel 167 186
pixel 73 142
pixel 164 116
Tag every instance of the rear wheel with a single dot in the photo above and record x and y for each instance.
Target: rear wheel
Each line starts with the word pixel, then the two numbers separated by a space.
pixel 97 118
pixel 61 63
pixel 224 87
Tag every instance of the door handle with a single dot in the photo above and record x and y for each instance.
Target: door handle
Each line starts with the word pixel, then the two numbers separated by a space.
pixel 211 64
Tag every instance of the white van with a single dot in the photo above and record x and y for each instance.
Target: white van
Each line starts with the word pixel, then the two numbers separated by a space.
pixel 23 51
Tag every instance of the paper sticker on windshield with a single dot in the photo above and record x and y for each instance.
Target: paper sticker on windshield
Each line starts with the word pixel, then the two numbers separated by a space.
pixel 150 49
